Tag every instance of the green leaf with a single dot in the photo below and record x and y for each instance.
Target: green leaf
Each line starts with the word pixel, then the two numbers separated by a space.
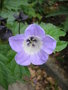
pixel 15 27
pixel 60 45
pixel 10 55
pixel 17 71
pixel 55 32
pixel 58 12
pixel 25 71
pixel 4 48
pixel 3 59
pixel 10 71
pixel 66 25
pixel 23 27
pixel 8 14
pixel 31 12
pixel 5 74
pixel 14 4
pixel 3 77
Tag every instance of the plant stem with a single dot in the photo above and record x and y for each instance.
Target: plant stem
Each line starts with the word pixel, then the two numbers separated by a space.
pixel 1 4
pixel 19 28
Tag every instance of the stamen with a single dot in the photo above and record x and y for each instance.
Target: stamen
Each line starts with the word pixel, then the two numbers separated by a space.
pixel 30 46
pixel 27 40
pixel 35 40
pixel 31 38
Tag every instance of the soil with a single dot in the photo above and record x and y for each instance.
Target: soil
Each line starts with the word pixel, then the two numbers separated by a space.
pixel 41 80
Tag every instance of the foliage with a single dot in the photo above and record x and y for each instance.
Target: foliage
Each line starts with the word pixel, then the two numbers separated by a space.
pixel 10 7
pixel 14 27
pixel 9 71
pixel 60 11
pixel 33 8
pixel 65 25
pixel 61 7
pixel 55 32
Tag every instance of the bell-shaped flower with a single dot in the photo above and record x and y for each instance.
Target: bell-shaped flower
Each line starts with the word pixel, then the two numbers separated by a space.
pixel 21 17
pixel 32 47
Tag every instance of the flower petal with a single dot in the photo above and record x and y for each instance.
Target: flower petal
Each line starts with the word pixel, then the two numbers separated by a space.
pixel 35 30
pixel 49 44
pixel 16 42
pixel 22 59
pixel 40 58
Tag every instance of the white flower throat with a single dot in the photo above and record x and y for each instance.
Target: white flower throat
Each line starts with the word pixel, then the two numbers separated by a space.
pixel 32 45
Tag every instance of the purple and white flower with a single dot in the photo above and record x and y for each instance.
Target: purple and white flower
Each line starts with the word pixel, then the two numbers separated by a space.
pixel 34 46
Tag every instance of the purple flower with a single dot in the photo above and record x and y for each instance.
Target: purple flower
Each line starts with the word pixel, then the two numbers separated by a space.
pixel 21 17
pixel 33 46
pixel 3 21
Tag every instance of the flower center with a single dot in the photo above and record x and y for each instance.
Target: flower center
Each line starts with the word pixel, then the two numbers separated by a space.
pixel 32 45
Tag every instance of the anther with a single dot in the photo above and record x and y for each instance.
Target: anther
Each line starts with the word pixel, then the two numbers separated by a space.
pixel 27 40
pixel 28 44
pixel 31 38
pixel 35 40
